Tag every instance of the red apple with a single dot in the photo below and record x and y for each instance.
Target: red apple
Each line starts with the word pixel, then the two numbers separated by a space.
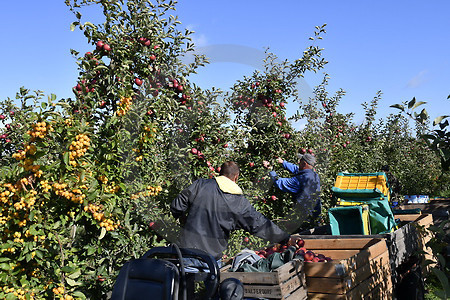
pixel 302 151
pixel 225 145
pixel 99 45
pixel 309 255
pixel 273 197
pixel 316 259
pixel 310 151
pixel 282 104
pixel 152 57
pixel 301 243
pixel 147 43
pixel 194 151
pixel 138 81
pixel 106 47
pixel 251 164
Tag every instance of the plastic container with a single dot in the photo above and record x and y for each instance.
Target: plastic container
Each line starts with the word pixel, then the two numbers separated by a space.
pixel 349 220
pixel 360 185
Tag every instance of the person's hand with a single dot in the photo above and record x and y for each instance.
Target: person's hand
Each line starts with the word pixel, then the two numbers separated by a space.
pixel 280 160
pixel 266 164
pixel 293 240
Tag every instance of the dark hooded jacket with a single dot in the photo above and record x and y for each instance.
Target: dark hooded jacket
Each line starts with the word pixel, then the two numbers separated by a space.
pixel 215 208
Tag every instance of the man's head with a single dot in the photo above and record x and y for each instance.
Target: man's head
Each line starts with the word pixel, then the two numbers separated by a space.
pixel 230 169
pixel 307 161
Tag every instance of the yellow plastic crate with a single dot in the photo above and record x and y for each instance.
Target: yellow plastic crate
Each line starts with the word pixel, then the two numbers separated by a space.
pixel 361 183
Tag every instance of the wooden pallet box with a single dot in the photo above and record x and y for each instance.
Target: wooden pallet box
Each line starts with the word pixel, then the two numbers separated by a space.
pixel 360 269
pixel 418 235
pixel 286 282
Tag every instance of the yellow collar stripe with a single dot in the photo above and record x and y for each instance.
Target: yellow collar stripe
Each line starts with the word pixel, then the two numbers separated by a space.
pixel 227 185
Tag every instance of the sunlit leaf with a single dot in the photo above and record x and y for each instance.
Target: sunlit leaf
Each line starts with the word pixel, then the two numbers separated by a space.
pixel 439 120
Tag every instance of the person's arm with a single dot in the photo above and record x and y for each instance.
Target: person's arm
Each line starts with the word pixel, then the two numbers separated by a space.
pixel 291 185
pixel 257 224
pixel 293 168
pixel 181 203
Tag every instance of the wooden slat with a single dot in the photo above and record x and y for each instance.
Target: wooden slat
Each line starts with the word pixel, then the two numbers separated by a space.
pixel 336 254
pixel 316 296
pixel 267 278
pixel 262 291
pixel 339 243
pixel 325 285
pixel 407 217
pixel 326 269
pixel 299 294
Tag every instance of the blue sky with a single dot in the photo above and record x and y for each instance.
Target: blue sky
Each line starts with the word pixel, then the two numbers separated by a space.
pixel 399 47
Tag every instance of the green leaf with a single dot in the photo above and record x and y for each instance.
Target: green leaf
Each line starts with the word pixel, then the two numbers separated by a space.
pixel 439 120
pixel 79 294
pixel 66 158
pixel 398 106
pixel 73 26
pixel 39 254
pixel 443 279
pixel 102 233
pixel 3 259
pixel 90 251
pixel 72 282
pixel 418 104
pixel 67 269
pixel 75 274
pixel 412 102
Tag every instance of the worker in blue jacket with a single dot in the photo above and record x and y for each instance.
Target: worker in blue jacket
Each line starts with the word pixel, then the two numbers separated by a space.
pixel 304 185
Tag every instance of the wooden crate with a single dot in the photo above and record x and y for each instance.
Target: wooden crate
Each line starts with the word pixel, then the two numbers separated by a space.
pixel 285 282
pixel 418 231
pixel 360 269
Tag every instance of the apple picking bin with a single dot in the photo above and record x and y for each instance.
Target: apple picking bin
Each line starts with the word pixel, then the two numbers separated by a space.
pixel 405 245
pixel 286 282
pixel 360 269
pixel 349 220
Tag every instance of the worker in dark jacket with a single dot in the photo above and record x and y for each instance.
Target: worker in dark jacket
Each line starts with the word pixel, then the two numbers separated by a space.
pixel 217 207
pixel 304 186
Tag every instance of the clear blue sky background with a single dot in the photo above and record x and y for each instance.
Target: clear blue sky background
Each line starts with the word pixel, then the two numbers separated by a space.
pixel 399 47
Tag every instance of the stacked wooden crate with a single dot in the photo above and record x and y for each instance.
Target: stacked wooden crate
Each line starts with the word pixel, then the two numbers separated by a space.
pixel 360 269
pixel 286 282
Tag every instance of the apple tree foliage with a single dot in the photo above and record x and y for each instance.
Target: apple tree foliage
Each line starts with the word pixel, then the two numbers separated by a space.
pixel 86 182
